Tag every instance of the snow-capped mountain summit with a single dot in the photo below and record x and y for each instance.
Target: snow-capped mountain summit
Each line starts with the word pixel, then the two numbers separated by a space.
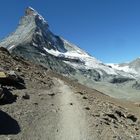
pixel 34 30
pixel 34 41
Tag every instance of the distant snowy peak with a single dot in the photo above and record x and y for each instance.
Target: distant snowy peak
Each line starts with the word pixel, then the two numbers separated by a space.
pixel 129 67
pixel 123 67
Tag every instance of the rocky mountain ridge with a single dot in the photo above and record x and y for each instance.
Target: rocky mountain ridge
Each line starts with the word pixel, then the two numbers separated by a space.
pixel 34 41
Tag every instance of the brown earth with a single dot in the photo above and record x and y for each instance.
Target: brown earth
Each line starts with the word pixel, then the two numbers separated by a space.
pixel 51 107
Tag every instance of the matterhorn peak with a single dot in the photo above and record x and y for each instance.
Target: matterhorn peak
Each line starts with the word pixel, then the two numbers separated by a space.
pixel 38 18
pixel 30 11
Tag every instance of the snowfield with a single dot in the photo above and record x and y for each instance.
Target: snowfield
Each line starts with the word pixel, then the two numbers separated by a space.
pixel 123 68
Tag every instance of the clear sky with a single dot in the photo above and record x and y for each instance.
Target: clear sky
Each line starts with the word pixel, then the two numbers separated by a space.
pixel 107 29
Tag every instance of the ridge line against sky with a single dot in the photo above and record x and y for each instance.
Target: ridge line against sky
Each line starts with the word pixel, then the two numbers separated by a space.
pixel 107 29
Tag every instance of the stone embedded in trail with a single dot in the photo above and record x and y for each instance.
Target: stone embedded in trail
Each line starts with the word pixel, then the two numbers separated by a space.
pixel 51 94
pixel 132 117
pixel 71 103
pixel 87 108
pixel 26 96
pixel 85 97
pixel 81 93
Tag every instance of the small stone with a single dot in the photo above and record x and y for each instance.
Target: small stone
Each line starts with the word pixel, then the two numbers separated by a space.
pixel 84 97
pixel 114 136
pixel 51 94
pixel 26 96
pixel 39 94
pixel 35 103
pixel 97 115
pixel 81 93
pixel 136 129
pixel 87 108
pixel 18 69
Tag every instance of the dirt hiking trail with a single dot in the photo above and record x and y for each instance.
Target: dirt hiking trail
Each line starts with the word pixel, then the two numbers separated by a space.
pixel 66 120
pixel 72 125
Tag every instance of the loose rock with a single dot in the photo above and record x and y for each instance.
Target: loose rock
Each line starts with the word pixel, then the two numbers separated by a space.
pixel 26 96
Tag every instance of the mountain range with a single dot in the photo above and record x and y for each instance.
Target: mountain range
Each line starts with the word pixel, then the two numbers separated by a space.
pixel 34 41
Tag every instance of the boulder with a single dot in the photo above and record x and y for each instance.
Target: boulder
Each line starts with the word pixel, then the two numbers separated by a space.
pixel 11 79
pixel 2 74
pixel 6 97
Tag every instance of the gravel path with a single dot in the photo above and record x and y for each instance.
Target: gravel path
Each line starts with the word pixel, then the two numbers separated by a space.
pixel 72 125
pixel 65 120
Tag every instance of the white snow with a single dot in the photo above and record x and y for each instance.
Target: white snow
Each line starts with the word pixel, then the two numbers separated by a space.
pixel 89 62
pixel 34 44
pixel 71 46
pixel 11 47
pixel 43 54
pixel 42 19
pixel 123 68
pixel 31 8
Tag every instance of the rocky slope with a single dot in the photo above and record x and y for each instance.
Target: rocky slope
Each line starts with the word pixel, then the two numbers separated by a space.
pixel 34 41
pixel 51 106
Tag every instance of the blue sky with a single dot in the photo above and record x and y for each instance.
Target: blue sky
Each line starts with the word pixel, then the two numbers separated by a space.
pixel 107 29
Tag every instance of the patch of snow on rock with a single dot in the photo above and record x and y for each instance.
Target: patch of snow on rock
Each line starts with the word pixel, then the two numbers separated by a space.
pixel 11 47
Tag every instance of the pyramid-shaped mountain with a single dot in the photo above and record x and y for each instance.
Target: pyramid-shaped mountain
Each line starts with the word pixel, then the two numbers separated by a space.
pixel 34 41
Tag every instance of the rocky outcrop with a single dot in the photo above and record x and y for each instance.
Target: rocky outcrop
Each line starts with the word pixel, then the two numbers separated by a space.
pixel 6 97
